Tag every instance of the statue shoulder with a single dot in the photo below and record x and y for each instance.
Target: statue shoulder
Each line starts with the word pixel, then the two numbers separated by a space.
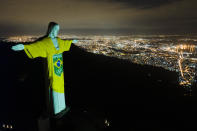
pixel 46 40
pixel 60 40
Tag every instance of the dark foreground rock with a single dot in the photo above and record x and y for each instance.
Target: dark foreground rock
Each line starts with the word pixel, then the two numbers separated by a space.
pixel 98 88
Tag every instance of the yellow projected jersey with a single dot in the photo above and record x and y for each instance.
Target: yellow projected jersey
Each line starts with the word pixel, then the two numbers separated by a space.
pixel 45 48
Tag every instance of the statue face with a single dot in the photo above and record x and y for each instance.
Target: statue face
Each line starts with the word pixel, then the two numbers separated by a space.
pixel 54 31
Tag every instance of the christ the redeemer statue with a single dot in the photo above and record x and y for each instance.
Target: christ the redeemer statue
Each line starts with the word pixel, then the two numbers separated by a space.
pixel 51 47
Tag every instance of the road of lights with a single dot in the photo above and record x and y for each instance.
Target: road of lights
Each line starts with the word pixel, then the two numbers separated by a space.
pixel 174 53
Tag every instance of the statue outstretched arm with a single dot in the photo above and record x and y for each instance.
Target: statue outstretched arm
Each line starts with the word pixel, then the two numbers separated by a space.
pixel 33 50
pixel 74 41
pixel 18 47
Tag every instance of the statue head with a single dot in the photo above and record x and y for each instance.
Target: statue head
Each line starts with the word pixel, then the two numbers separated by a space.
pixel 53 29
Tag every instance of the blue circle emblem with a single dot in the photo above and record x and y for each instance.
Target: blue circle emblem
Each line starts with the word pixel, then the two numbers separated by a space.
pixel 58 63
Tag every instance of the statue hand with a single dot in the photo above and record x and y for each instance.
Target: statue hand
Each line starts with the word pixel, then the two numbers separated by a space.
pixel 18 47
pixel 74 41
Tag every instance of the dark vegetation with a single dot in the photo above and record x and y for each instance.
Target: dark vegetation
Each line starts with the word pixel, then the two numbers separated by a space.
pixel 130 96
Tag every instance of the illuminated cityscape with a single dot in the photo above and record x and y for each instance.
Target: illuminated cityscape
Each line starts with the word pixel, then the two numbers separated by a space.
pixel 161 51
pixel 131 67
pixel 171 52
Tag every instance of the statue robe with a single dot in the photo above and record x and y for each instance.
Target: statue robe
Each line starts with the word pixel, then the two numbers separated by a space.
pixel 46 49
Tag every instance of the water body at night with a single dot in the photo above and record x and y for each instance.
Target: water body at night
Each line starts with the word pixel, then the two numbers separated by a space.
pixel 111 83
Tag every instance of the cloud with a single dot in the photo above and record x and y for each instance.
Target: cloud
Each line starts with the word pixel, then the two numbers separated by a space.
pixel 26 16
pixel 144 4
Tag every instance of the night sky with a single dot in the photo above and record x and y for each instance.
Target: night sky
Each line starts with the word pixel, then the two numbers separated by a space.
pixel 31 17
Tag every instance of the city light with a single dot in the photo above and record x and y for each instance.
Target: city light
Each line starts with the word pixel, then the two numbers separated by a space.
pixel 107 123
pixel 160 51
pixel 7 126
